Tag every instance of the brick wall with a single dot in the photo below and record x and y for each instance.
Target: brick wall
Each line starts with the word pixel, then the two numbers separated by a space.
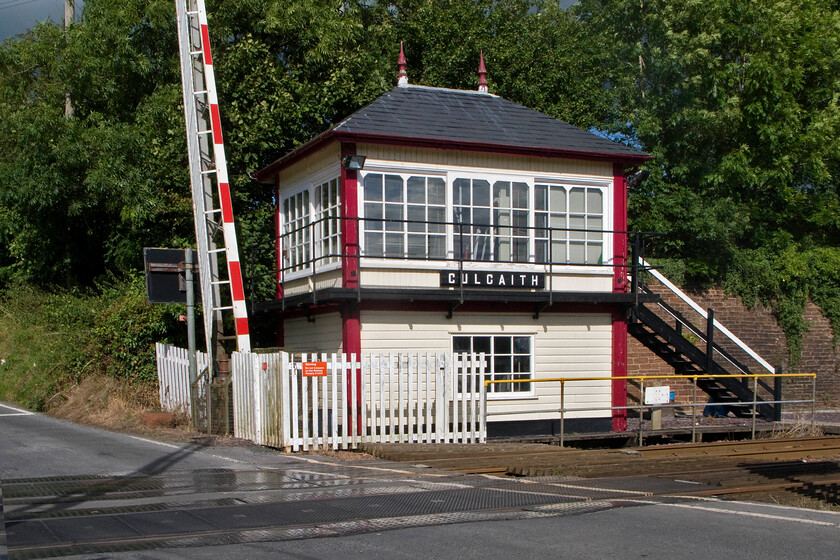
pixel 758 328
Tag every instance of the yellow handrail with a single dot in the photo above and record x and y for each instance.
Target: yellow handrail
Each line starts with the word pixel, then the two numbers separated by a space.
pixel 646 377
pixel 642 378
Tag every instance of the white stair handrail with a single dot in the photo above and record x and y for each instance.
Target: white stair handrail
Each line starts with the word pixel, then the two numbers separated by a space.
pixel 679 293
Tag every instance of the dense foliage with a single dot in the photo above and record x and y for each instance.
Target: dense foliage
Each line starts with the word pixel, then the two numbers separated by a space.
pixel 737 102
pixel 49 340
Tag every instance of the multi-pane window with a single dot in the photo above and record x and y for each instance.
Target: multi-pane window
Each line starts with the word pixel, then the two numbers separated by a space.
pixel 494 219
pixel 491 223
pixel 328 230
pixel 510 208
pixel 404 216
pixel 472 211
pixel 295 241
pixel 426 217
pixel 510 358
pixel 569 224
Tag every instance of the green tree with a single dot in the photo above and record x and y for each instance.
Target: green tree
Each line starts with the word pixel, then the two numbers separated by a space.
pixel 738 103
pixel 81 195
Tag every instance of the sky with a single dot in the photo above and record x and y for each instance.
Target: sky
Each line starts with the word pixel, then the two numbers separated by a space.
pixel 16 16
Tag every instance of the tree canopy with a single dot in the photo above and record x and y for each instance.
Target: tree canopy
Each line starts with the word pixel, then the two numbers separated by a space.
pixel 736 100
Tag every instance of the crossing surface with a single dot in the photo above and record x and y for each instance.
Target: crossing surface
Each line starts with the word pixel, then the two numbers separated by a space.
pixel 75 492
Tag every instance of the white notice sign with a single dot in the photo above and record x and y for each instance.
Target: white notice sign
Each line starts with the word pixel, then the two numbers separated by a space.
pixel 657 395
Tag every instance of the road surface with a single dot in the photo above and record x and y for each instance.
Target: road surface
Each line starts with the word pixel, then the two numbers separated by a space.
pixel 78 492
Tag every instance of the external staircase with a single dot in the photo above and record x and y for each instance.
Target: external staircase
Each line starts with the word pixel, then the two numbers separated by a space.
pixel 693 350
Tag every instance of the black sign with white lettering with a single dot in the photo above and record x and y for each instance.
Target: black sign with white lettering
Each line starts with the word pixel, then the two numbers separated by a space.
pixel 493 279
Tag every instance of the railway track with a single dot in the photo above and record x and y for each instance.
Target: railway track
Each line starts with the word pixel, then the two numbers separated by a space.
pixel 772 469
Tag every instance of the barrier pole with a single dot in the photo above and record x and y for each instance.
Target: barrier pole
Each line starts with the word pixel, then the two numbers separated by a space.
pixel 813 400
pixel 562 413
pixel 755 403
pixel 694 412
pixel 641 410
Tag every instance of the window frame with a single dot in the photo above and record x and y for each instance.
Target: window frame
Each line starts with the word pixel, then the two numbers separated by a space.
pixel 331 224
pixel 572 238
pixel 314 212
pixel 406 230
pixel 604 184
pixel 491 357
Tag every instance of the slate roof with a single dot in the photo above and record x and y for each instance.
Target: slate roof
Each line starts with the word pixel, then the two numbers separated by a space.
pixel 464 119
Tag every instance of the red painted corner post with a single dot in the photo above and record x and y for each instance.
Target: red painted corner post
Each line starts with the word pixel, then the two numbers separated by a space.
pixel 351 333
pixel 351 341
pixel 619 323
pixel 278 259
pixel 349 221
pixel 619 229
pixel 619 369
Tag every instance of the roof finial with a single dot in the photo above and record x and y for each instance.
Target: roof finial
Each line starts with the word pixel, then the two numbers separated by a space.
pixel 482 74
pixel 402 76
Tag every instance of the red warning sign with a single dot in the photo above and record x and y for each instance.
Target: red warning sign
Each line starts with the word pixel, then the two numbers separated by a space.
pixel 314 369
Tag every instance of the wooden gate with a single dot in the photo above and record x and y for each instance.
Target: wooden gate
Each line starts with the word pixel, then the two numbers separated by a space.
pixel 337 401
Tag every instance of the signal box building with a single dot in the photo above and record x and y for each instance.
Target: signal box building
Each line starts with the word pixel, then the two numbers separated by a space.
pixel 439 220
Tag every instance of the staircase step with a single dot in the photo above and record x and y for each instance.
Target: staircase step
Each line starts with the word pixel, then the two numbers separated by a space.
pixel 686 358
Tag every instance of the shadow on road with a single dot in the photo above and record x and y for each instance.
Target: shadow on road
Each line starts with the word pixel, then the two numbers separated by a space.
pixel 81 490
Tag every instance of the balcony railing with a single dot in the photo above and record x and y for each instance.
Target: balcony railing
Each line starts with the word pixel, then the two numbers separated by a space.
pixel 316 247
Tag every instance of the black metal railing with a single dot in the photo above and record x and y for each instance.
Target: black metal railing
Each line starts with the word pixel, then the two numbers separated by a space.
pixel 304 250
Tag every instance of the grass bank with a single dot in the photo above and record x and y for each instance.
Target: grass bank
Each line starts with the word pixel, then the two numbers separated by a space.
pixel 52 341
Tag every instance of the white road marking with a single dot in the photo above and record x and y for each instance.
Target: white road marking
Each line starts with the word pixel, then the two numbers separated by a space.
pixel 596 489
pixel 162 444
pixel 742 513
pixel 397 471
pixel 18 411
pixel 180 448
pixel 763 505
pixel 512 491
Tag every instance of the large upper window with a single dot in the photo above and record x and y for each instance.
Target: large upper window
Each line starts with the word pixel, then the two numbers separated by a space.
pixel 509 357
pixel 295 240
pixel 471 206
pixel 327 212
pixel 316 208
pixel 492 218
pixel 484 217
pixel 510 208
pixel 404 216
pixel 569 222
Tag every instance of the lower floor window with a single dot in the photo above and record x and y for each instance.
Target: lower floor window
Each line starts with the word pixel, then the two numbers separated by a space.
pixel 509 358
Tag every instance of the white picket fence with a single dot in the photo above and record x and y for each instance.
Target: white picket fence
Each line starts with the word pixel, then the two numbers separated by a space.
pixel 173 366
pixel 380 398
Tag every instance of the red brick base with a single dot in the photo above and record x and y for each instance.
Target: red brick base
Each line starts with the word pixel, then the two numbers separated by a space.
pixel 758 328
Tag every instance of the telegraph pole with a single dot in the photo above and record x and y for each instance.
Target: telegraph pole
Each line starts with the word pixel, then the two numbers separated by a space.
pixel 69 17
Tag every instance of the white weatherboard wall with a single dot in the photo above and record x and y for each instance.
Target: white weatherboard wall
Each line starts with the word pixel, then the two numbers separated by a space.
pixel 565 345
pixel 321 335
pixel 389 154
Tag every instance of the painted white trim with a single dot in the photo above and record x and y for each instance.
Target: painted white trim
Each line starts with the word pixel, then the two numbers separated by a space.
pixel 307 272
pixel 511 395
pixel 438 170
pixel 576 181
pixel 450 173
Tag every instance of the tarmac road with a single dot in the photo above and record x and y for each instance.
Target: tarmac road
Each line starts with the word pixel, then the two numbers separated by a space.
pixel 77 492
